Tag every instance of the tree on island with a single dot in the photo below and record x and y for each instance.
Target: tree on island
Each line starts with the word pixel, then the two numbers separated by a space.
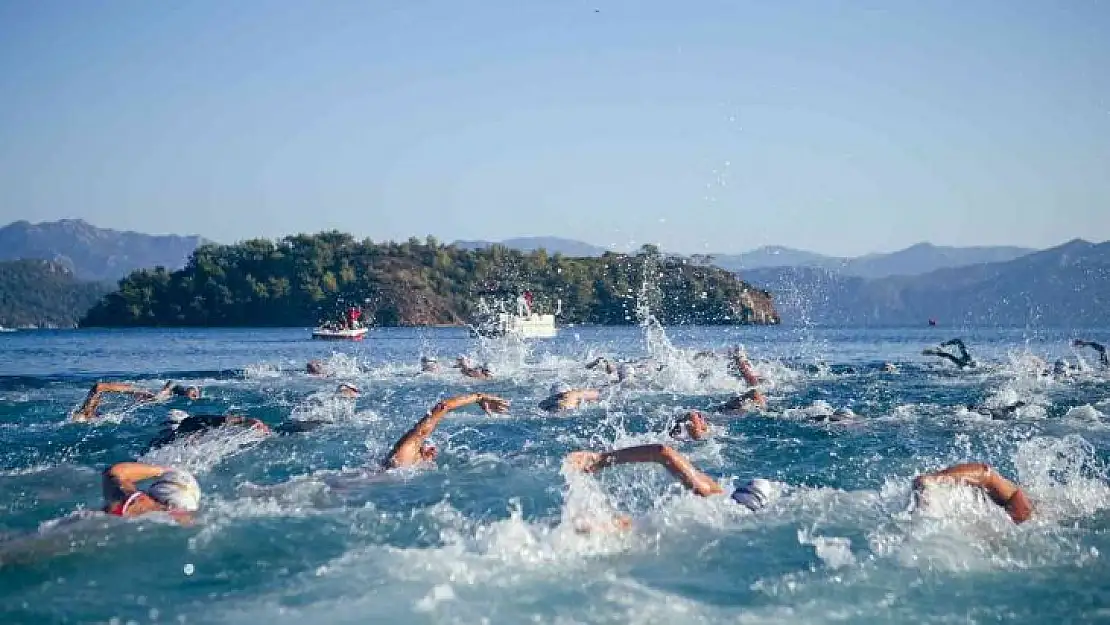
pixel 298 280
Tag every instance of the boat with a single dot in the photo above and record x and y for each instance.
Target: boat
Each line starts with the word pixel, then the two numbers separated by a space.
pixel 337 334
pixel 524 323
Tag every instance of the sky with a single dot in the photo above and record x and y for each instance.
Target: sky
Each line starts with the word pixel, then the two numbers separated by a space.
pixel 712 126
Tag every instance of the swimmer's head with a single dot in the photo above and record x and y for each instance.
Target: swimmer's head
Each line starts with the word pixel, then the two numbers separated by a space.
pixel 175 417
pixel 177 490
pixel 693 423
pixel 559 388
pixel 428 452
pixel 191 392
pixel 1060 367
pixel 625 372
pixel 349 391
pixel 314 367
pixel 889 367
pixel 429 363
pixel 754 495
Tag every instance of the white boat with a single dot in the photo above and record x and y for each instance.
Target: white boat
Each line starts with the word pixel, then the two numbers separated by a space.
pixel 525 323
pixel 354 334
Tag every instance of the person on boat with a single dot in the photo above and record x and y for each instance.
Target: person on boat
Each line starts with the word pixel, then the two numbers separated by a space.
pixel 1103 359
pixel 750 400
pixel 182 425
pixel 467 368
pixel 754 494
pixel 171 490
pixel 692 425
pixel 963 360
pixel 354 314
pixel 412 448
pixel 563 397
pixel 1000 490
pixel 90 407
pixel 429 364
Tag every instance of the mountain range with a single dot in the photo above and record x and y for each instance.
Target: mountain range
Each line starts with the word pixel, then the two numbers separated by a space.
pixel 1067 285
pixel 91 253
pixel 1064 285
pixel 916 259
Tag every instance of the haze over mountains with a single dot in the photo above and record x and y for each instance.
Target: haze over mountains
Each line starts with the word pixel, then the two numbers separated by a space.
pixel 916 259
pixel 1064 285
pixel 91 253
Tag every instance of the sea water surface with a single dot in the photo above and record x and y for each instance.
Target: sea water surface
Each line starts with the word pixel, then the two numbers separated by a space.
pixel 303 529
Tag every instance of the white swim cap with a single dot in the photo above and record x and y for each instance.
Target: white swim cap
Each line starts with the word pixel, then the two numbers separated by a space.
pixel 559 388
pixel 754 495
pixel 177 416
pixel 625 371
pixel 176 489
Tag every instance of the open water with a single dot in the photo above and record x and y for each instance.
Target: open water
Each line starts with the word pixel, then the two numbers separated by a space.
pixel 303 530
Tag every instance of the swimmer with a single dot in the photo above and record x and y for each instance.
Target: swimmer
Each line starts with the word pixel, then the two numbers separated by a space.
pixel 348 391
pixel 1001 491
pixel 173 491
pixel 890 367
pixel 315 367
pixel 751 400
pixel 740 363
pixel 963 360
pixel 1103 359
pixel 692 425
pixel 182 425
pixel 301 426
pixel 754 495
pixel 88 410
pixel 563 397
pixel 603 363
pixel 467 368
pixel 997 412
pixel 429 364
pixel 412 448
pixel 835 416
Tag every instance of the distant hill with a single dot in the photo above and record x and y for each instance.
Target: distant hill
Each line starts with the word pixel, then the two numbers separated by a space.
pixel 553 245
pixel 42 293
pixel 914 260
pixel 91 253
pixel 1068 285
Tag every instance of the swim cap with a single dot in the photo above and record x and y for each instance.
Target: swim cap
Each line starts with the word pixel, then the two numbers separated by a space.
pixel 176 489
pixel 559 388
pixel 754 495
pixel 176 417
pixel 624 371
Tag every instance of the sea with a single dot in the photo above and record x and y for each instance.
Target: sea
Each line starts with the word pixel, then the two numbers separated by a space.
pixel 305 529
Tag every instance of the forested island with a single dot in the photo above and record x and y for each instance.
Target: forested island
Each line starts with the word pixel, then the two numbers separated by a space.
pixel 298 280
pixel 43 294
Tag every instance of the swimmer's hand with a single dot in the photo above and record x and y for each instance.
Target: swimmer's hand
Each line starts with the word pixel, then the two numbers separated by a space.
pixel 491 404
pixel 583 461
pixel 619 523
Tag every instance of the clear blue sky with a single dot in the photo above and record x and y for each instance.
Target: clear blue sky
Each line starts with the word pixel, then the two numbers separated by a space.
pixel 703 126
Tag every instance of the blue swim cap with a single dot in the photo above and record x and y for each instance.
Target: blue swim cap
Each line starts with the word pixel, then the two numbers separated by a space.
pixel 754 495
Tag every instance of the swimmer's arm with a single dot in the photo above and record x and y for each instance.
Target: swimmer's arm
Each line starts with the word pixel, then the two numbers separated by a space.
pixel 407 450
pixel 256 424
pixel 571 399
pixel 87 411
pixel 124 475
pixel 745 367
pixel 673 461
pixel 1002 491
